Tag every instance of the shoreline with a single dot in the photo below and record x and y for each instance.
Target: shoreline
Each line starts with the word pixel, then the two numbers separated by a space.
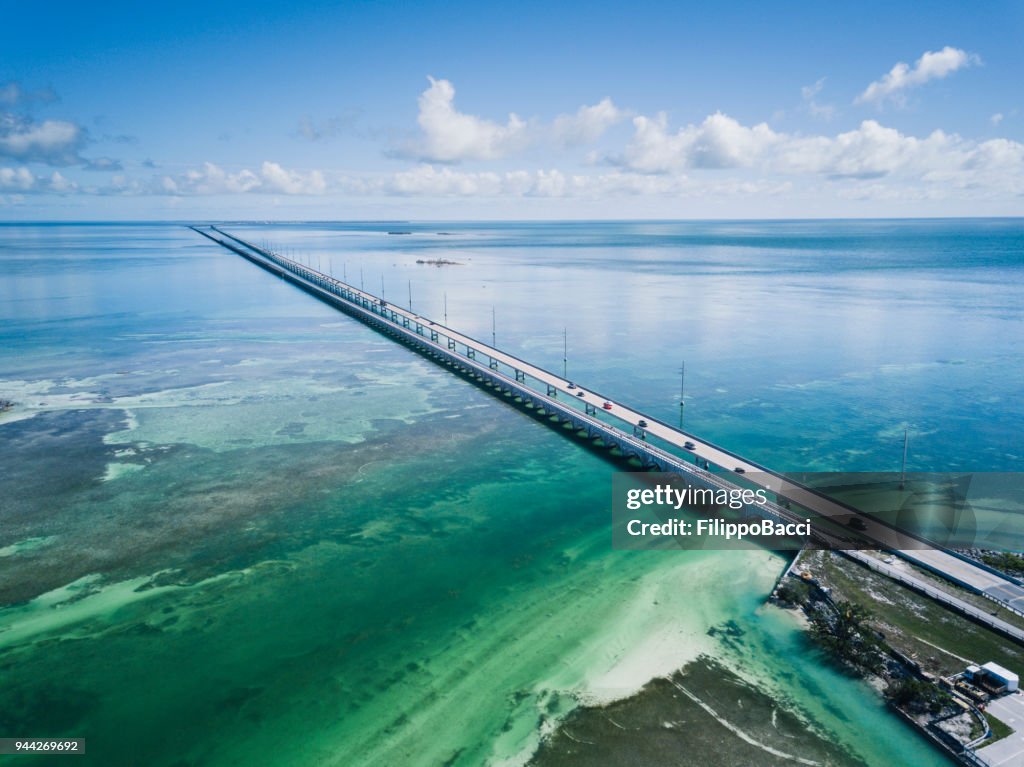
pixel 933 701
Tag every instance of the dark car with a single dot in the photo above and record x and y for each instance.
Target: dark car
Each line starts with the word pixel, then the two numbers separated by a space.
pixel 689 446
pixel 642 423
pixel 740 470
pixel 857 524
pixel 580 394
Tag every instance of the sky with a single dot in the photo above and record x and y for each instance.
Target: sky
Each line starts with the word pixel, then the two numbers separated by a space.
pixel 500 110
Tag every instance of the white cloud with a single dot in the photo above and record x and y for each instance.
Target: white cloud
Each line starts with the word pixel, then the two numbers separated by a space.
pixel 16 179
pixel 61 185
pixel 871 151
pixel 996 118
pixel 212 179
pixel 277 179
pixel 54 142
pixel 933 65
pixel 588 124
pixel 718 142
pixel 23 180
pixel 452 136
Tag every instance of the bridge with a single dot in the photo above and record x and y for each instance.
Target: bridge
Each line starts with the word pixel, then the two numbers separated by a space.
pixel 620 426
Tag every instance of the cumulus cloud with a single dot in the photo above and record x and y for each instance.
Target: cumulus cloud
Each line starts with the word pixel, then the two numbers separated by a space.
pixel 53 142
pixel 870 151
pixel 718 142
pixel 588 124
pixel 873 151
pixel 211 179
pixel 16 179
pixel 22 180
pixel 996 118
pixel 453 136
pixel 276 179
pixel 933 65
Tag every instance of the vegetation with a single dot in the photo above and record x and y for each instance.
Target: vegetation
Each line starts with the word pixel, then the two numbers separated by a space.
pixel 1000 729
pixel 794 592
pixel 911 618
pixel 847 636
pixel 1005 561
pixel 917 696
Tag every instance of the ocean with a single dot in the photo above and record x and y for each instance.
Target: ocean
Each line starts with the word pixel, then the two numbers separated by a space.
pixel 239 527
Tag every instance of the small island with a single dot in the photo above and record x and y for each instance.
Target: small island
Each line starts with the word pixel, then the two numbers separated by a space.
pixel 437 262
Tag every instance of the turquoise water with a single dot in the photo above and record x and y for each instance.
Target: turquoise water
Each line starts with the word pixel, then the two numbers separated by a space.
pixel 238 527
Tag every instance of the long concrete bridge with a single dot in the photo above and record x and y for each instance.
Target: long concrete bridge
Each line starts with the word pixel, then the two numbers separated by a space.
pixel 627 429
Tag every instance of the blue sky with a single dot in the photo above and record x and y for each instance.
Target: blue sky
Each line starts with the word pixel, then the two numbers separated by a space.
pixel 665 110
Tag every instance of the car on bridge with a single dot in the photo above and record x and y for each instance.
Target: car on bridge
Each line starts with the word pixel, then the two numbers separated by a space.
pixel 607 405
pixel 642 423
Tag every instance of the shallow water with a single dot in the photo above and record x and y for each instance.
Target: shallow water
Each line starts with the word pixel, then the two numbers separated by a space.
pixel 239 527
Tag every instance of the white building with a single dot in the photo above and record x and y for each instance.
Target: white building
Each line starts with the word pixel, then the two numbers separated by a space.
pixel 1007 677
